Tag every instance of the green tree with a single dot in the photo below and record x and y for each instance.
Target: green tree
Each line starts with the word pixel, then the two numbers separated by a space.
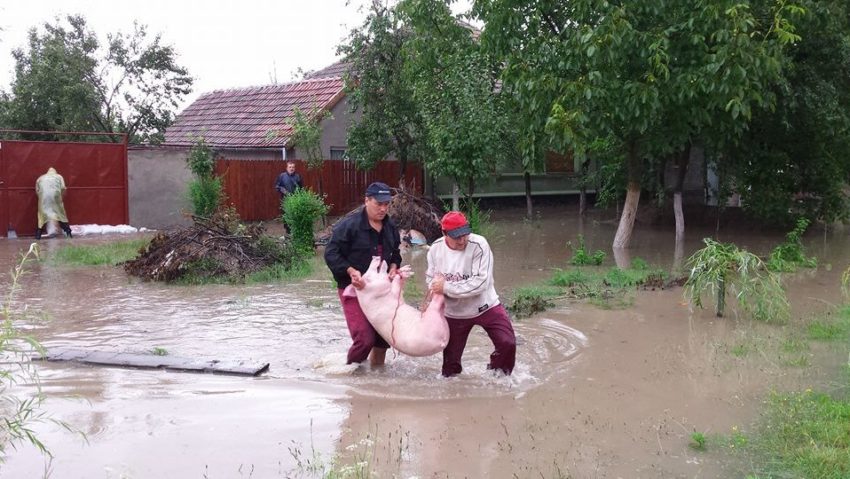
pixel 306 134
pixel 453 83
pixel 66 80
pixel 646 78
pixel 379 90
pixel 793 160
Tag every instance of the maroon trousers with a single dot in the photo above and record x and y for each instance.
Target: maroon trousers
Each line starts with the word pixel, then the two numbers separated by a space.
pixel 362 333
pixel 497 324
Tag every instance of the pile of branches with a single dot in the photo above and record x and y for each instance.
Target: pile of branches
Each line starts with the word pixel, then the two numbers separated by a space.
pixel 219 246
pixel 408 211
pixel 413 212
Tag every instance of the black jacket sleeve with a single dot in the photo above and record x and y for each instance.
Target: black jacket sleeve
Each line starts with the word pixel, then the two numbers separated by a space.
pixel 395 244
pixel 336 252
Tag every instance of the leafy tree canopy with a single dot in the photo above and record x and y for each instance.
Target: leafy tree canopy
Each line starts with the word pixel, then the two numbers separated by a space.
pixel 454 85
pixel 380 92
pixel 66 80
pixel 794 160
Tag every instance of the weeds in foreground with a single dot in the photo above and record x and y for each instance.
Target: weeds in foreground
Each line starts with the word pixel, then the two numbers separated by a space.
pixel 803 435
pixel 357 461
pixel 112 253
pixel 19 415
pixel 721 267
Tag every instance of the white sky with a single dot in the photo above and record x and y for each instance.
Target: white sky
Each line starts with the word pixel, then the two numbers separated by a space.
pixel 223 43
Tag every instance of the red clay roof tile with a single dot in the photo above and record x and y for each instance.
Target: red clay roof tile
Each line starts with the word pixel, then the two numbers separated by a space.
pixel 243 118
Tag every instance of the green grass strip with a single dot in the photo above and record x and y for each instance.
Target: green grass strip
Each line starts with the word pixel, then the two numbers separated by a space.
pixel 111 253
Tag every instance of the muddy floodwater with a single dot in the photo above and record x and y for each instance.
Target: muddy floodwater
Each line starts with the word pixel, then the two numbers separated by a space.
pixel 596 393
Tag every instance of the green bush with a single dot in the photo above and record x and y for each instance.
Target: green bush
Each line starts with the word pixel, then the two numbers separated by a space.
pixel 205 191
pixel 300 212
pixel 206 195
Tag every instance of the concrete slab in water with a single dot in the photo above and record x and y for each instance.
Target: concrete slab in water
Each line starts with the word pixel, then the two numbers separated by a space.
pixel 151 361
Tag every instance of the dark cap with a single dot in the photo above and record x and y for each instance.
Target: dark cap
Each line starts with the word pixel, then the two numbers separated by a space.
pixel 455 225
pixel 380 191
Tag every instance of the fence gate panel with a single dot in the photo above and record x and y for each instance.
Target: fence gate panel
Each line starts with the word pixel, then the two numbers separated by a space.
pixel 4 197
pixel 95 177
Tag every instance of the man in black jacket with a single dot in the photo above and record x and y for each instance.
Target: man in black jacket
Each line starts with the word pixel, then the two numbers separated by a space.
pixel 288 181
pixel 355 240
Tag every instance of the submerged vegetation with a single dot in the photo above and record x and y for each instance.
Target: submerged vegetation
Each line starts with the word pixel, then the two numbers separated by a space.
pixel 719 268
pixel 581 256
pixel 606 288
pixel 19 414
pixel 790 255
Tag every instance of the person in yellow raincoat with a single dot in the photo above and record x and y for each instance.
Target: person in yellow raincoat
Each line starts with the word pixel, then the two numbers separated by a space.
pixel 50 187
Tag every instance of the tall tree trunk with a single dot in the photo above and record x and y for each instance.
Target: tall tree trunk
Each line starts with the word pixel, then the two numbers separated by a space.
pixel 627 219
pixel 529 210
pixel 682 164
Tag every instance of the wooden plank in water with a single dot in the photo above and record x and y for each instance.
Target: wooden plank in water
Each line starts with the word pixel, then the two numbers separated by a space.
pixel 152 361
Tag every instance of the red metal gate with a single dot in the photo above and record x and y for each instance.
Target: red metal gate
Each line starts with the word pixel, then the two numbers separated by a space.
pixel 95 176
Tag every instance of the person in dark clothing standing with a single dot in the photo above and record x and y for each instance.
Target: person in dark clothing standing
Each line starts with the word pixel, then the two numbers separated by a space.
pixel 355 240
pixel 288 181
pixel 286 184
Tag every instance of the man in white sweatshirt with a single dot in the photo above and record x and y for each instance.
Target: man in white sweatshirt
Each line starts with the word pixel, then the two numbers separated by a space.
pixel 460 266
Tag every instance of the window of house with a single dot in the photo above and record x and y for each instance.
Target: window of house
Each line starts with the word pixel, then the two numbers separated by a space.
pixel 339 153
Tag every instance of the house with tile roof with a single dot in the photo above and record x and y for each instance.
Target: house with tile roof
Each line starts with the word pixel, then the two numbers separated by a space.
pixel 249 131
pixel 255 122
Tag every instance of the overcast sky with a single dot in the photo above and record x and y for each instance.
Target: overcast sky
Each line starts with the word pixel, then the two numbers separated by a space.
pixel 224 44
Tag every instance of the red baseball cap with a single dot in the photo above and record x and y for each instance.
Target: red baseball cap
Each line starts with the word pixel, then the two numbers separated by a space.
pixel 455 225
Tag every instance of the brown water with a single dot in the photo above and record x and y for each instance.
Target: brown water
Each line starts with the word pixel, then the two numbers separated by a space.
pixel 595 393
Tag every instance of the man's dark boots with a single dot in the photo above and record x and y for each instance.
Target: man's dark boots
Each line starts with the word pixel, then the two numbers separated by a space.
pixel 67 229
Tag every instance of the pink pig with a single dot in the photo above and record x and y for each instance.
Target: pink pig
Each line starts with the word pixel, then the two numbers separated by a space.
pixel 404 327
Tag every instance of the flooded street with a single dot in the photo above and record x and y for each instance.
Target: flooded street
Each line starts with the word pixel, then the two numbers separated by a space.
pixel 595 394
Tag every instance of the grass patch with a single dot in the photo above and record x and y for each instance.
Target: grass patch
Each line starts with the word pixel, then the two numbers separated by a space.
pixel 528 300
pixel 794 345
pixel 203 271
pixel 832 327
pixel 277 273
pixel 110 254
pixel 741 350
pixel 798 361
pixel 804 435
pixel 698 441
pixel 604 288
